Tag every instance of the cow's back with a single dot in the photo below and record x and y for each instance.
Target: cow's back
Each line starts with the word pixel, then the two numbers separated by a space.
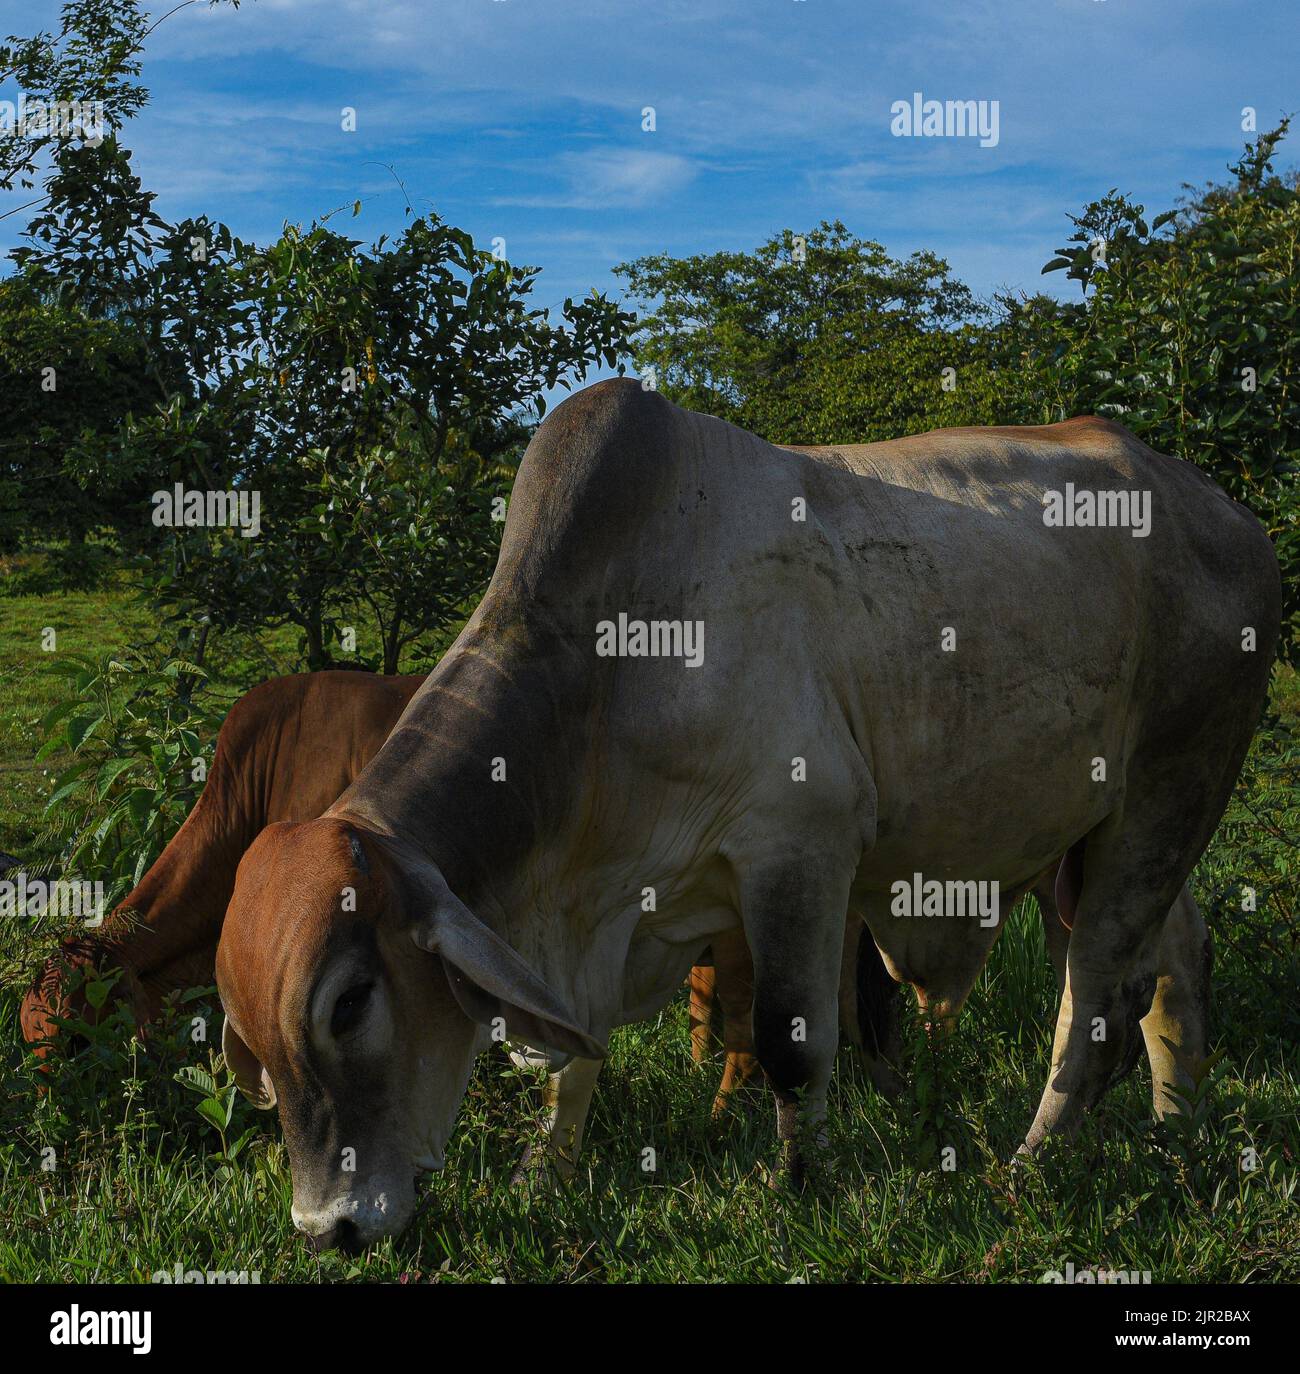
pixel 303 738
pixel 900 616
pixel 285 751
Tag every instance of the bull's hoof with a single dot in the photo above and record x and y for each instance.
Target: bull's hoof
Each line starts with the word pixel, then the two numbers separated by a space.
pixel 539 1160
pixel 801 1160
pixel 527 1166
pixel 791 1172
pixel 745 1100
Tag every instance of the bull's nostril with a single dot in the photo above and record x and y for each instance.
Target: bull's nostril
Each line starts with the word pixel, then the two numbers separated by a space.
pixel 343 1235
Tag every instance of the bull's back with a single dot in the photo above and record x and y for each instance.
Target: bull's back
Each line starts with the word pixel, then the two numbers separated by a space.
pixel 1006 655
pixel 911 593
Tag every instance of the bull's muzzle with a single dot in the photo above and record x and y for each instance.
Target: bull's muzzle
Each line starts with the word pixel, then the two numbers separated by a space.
pixel 351 1224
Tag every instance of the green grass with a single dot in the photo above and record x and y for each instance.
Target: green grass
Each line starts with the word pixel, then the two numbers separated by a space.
pixel 137 1188
pixel 81 621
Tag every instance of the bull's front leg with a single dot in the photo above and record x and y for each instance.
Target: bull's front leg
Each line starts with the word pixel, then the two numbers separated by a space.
pixel 567 1099
pixel 793 912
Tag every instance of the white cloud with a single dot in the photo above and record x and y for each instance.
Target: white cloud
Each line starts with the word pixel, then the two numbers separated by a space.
pixel 609 178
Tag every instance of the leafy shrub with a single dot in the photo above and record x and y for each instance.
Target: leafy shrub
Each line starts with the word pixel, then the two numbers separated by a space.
pixel 1249 881
pixel 72 567
pixel 139 731
pixel 131 1087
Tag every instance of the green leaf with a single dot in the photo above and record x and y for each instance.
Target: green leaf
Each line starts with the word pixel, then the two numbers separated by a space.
pixel 196 1079
pixel 211 1110
pixel 109 773
pixel 57 713
pixel 141 802
pixel 97 993
pixel 78 729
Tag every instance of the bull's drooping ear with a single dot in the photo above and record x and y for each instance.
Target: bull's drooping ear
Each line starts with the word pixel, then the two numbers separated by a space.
pixel 488 978
pixel 250 1077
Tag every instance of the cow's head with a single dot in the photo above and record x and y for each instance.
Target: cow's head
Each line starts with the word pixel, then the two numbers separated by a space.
pixel 58 993
pixel 355 984
pixel 48 1000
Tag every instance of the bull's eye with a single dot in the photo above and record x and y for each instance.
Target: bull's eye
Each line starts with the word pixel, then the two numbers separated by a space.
pixel 348 1009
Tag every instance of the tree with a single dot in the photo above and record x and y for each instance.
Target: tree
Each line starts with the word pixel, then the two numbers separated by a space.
pixel 819 338
pixel 420 541
pixel 1188 336
pixel 363 385
pixel 66 377
pixel 343 386
pixel 71 364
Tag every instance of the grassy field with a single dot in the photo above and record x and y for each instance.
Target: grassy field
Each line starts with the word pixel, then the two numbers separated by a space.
pixel 137 1181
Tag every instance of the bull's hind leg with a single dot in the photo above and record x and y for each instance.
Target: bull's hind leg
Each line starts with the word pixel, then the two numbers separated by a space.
pixel 794 912
pixel 1055 935
pixel 1177 1026
pixel 1134 865
pixel 1110 981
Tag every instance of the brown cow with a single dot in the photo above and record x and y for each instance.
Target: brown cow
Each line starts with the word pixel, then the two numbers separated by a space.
pixel 285 752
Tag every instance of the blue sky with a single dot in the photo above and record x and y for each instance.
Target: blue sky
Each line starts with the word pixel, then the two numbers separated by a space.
pixel 523 118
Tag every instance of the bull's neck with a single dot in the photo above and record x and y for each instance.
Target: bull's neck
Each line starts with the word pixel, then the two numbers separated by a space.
pixel 485 762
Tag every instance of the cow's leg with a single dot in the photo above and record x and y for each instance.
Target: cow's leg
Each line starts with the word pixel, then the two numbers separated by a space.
pixel 702 981
pixel 1180 1008
pixel 1134 865
pixel 734 982
pixel 568 1096
pixel 1178 1024
pixel 794 912
pixel 870 1008
pixel 567 1099
pixel 1055 934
